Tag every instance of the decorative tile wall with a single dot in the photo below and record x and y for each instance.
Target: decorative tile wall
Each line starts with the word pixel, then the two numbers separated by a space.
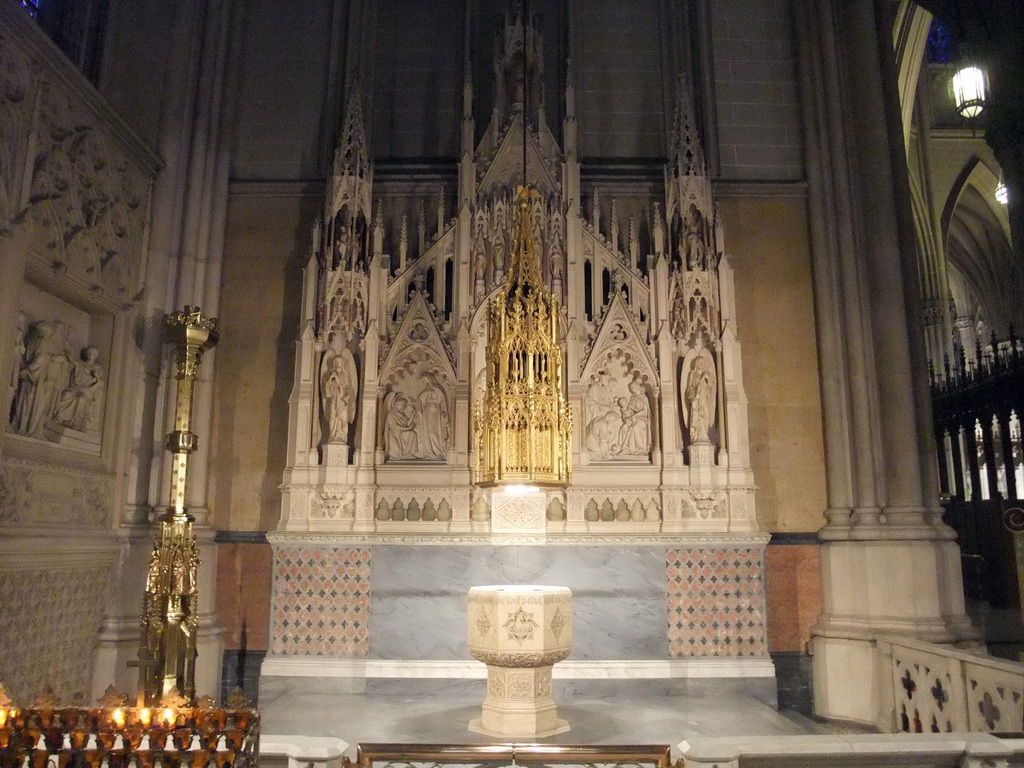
pixel 48 624
pixel 321 601
pixel 716 602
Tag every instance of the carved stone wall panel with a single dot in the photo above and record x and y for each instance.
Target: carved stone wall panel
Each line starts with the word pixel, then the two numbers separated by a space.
pixel 60 369
pixel 518 514
pixel 48 625
pixel 36 493
pixel 73 178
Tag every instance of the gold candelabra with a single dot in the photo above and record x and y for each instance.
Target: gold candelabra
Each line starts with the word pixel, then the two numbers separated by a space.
pixel 526 421
pixel 167 653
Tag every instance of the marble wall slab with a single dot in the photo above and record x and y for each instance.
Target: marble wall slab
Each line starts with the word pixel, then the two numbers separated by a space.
pixel 418 610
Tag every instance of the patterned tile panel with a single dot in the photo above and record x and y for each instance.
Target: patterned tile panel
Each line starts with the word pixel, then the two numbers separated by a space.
pixel 321 601
pixel 716 602
pixel 49 620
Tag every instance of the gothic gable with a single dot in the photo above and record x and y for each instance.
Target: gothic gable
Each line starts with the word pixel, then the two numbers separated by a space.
pixel 620 335
pixel 416 385
pixel 505 169
pixel 417 342
pixel 620 384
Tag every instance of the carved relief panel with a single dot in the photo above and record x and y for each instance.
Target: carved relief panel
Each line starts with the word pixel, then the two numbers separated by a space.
pixel 58 371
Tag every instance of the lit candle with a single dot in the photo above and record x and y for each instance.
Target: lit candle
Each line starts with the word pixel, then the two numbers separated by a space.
pixel 3 716
pixel 145 716
pixel 168 715
pixel 118 717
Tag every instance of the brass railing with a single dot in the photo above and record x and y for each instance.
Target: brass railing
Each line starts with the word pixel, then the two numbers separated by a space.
pixel 393 755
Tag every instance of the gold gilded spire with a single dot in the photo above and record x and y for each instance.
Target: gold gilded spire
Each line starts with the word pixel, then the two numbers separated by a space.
pixel 526 421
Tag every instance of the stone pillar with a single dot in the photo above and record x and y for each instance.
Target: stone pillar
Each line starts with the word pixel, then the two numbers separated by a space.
pixel 889 566
pixel 186 245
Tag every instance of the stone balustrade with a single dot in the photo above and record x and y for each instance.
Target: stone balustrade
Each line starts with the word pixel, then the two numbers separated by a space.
pixel 928 688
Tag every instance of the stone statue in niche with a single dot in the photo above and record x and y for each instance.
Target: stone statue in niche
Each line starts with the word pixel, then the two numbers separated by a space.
pixel 617 424
pixel 81 401
pixel 417 422
pixel 339 386
pixel 699 392
pixel 43 376
pixel 694 246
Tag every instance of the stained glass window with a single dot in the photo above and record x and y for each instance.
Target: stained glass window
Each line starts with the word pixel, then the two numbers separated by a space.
pixel 941 47
pixel 32 6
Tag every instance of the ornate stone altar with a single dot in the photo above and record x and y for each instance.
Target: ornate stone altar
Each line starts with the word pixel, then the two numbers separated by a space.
pixel 385 414
pixel 519 632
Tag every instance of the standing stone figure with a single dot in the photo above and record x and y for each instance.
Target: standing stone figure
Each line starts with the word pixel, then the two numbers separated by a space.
pixel 434 427
pixel 699 400
pixel 338 388
pixel 694 239
pixel 79 402
pixel 19 358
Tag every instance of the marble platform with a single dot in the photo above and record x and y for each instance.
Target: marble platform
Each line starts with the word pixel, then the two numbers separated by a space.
pixel 598 711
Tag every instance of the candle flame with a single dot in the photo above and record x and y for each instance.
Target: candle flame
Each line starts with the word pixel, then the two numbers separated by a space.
pixel 145 716
pixel 168 715
pixel 118 717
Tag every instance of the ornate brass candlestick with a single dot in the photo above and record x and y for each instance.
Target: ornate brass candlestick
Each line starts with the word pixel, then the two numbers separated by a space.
pixel 170 618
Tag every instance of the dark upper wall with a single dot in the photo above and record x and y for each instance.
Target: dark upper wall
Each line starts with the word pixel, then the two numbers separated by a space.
pixel 757 98
pixel 289 103
pixel 620 86
pixel 283 90
pixel 417 95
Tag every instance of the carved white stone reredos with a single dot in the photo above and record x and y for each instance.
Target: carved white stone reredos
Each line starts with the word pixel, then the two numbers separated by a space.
pixel 650 338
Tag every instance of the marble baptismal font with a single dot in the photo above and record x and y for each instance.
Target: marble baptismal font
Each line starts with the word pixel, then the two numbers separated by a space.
pixel 519 632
